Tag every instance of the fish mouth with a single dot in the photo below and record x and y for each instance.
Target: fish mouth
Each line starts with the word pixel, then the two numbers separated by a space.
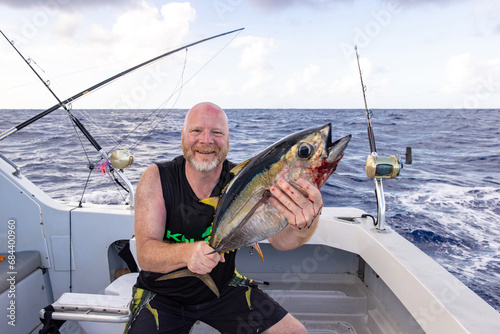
pixel 328 140
pixel 335 149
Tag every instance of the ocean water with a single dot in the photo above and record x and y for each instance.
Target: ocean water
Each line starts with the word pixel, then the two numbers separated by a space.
pixel 447 202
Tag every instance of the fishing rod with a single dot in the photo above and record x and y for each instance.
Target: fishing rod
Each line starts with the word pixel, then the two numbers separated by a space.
pixel 378 168
pixel 369 114
pixel 102 83
pixel 119 159
pixel 60 104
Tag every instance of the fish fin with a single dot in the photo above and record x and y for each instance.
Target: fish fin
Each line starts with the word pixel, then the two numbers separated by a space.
pixel 176 274
pixel 212 201
pixel 257 248
pixel 207 279
pixel 237 169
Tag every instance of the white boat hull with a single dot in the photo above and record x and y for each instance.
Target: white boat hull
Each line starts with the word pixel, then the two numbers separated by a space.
pixel 348 276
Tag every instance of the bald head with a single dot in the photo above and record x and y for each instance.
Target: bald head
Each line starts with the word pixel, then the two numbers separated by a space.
pixel 207 110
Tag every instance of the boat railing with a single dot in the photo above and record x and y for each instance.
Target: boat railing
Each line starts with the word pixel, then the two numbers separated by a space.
pixel 17 169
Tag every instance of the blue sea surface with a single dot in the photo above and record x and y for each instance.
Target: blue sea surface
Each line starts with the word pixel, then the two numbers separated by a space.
pixel 447 202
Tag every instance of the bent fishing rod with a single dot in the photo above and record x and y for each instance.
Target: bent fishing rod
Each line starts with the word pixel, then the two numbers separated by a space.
pixel 60 104
pixel 98 85
pixel 116 161
pixel 378 168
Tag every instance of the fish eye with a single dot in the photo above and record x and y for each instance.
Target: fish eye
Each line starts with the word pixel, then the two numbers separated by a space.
pixel 305 150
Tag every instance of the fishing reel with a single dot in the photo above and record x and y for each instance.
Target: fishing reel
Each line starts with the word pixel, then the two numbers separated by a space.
pixel 383 168
pixel 121 159
pixel 386 168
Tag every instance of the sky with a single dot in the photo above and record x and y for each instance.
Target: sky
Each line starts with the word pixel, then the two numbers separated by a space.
pixel 291 54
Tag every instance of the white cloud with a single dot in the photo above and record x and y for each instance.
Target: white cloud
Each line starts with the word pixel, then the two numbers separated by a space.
pixel 258 79
pixel 147 27
pixel 67 24
pixel 459 71
pixel 98 34
pixel 464 73
pixel 255 52
pixel 303 80
pixel 473 82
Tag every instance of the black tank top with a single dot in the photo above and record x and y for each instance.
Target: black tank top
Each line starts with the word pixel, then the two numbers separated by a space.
pixel 188 220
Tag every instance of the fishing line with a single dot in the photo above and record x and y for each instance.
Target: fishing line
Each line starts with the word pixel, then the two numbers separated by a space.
pixel 118 183
pixel 90 165
pixel 156 113
pixel 29 60
pixel 81 142
pixel 178 91
pixel 99 129
pixel 84 113
pixel 154 122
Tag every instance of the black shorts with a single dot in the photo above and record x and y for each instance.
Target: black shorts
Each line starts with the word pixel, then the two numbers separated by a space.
pixel 239 310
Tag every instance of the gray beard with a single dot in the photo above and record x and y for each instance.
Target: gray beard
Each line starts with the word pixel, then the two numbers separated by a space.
pixel 204 166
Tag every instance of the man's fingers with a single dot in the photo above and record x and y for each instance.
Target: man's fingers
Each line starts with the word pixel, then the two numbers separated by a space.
pixel 299 207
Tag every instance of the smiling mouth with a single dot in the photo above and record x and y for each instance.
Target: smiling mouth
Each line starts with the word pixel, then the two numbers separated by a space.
pixel 205 151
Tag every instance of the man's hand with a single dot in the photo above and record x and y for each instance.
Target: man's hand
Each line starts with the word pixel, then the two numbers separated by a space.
pixel 199 261
pixel 299 210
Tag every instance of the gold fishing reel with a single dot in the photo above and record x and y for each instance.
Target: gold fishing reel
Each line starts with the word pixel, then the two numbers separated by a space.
pixel 121 159
pixel 386 168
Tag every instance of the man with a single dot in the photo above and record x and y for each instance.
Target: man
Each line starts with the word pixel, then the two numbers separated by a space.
pixel 171 226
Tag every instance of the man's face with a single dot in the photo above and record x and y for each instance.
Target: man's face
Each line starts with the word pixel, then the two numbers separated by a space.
pixel 205 138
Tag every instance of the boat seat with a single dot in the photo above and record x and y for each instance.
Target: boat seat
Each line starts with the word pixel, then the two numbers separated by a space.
pixel 90 307
pixel 96 313
pixel 23 290
pixel 101 313
pixel 26 262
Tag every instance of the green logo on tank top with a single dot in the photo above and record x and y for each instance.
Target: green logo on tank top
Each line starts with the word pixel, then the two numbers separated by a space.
pixel 179 237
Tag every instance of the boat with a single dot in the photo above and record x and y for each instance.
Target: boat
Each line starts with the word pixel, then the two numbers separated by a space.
pixel 74 267
pixel 349 278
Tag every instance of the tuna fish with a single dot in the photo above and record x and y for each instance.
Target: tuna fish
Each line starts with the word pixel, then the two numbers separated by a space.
pixel 243 213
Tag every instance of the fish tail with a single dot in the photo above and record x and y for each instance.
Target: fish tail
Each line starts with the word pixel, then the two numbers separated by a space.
pixel 206 278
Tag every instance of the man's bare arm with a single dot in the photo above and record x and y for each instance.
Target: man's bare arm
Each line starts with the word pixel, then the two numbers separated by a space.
pixel 153 253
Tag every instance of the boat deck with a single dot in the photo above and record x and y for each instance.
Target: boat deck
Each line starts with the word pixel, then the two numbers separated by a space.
pixel 326 303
